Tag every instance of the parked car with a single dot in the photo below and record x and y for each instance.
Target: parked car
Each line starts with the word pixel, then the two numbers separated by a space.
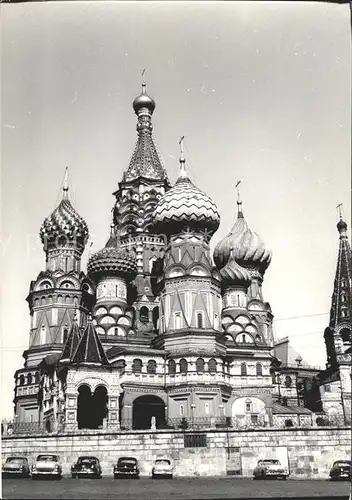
pixel 86 467
pixel 16 467
pixel 126 467
pixel 47 465
pixel 270 468
pixel 162 468
pixel 341 469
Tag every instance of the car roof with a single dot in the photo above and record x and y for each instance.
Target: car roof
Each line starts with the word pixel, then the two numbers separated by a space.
pixel 17 456
pixel 86 457
pixel 127 458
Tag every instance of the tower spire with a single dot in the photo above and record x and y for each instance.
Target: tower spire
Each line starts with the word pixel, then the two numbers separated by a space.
pixel 183 171
pixel 239 201
pixel 65 185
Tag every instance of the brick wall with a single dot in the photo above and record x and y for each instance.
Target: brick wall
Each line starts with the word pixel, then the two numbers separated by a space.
pixel 308 452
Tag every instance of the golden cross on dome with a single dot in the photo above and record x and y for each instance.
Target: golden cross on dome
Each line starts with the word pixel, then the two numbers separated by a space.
pixel 183 172
pixel 239 202
pixel 65 186
pixel 339 209
pixel 143 81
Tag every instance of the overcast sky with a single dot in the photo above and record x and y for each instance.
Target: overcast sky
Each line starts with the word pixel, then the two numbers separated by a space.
pixel 260 90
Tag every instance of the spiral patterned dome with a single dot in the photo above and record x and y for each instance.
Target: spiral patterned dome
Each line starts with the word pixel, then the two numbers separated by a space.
pixel 185 206
pixel 143 101
pixel 248 249
pixel 233 274
pixel 112 261
pixel 64 226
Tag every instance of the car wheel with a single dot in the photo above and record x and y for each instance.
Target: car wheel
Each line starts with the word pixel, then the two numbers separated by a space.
pixel 171 476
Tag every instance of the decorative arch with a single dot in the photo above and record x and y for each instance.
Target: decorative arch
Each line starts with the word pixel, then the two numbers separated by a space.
pixel 171 367
pixel 146 409
pixel 212 365
pixel 151 366
pixel 243 369
pixel 183 365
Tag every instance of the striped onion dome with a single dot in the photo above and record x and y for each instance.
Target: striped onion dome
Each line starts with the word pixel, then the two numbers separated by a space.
pixel 112 260
pixel 248 249
pixel 232 274
pixel 64 226
pixel 185 207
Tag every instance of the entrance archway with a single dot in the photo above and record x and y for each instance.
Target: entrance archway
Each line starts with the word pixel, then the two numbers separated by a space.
pixel 91 408
pixel 146 407
pixel 83 407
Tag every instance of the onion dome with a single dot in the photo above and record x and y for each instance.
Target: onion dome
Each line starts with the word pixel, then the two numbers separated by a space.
pixel 341 226
pixel 235 275
pixel 112 261
pixel 185 207
pixel 143 103
pixel 248 249
pixel 64 226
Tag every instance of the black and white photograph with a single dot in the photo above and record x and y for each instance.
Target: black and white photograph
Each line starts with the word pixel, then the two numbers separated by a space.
pixel 176 276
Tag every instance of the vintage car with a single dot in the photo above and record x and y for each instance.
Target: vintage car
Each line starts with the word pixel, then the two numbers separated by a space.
pixel 16 467
pixel 162 468
pixel 341 470
pixel 47 465
pixel 126 467
pixel 270 467
pixel 86 467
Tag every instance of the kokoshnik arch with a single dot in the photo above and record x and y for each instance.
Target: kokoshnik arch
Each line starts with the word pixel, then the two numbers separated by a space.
pixel 154 334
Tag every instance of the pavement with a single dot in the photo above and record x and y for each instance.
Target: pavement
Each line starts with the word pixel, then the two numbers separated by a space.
pixel 173 489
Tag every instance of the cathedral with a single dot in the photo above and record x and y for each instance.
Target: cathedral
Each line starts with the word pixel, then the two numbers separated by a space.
pixel 158 332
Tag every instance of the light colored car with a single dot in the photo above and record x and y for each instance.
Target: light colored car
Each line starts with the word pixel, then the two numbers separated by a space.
pixel 162 468
pixel 16 467
pixel 47 465
pixel 270 467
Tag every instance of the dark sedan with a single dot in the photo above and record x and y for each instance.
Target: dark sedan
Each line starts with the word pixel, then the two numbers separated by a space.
pixel 341 470
pixel 15 467
pixel 86 467
pixel 126 467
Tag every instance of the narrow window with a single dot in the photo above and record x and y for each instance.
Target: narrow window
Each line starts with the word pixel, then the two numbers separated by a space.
pixel 183 366
pixel 200 320
pixel 182 410
pixel 177 321
pixel 137 366
pixel 144 314
pixel 200 365
pixel 206 408
pixel 259 370
pixel 243 369
pixel 151 366
pixel 212 365
pixel 172 367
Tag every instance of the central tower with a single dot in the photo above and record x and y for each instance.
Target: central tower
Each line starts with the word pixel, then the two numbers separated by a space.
pixel 143 184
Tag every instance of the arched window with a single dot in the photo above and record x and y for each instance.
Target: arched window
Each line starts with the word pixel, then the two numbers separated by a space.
pixel 151 366
pixel 259 370
pixel 243 338
pixel 137 366
pixel 200 365
pixel 65 334
pixel 144 314
pixel 43 334
pixel 248 405
pixel 288 381
pixel 171 367
pixel 155 317
pixel 199 320
pixel 22 380
pixel 36 378
pixel 243 369
pixel 29 379
pixel 212 365
pixel 183 366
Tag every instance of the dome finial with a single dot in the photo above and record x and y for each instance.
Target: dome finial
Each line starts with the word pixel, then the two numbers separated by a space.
pixel 183 171
pixel 65 185
pixel 341 225
pixel 239 201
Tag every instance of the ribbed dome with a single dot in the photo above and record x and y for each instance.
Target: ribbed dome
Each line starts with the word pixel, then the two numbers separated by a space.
pixel 248 249
pixel 64 226
pixel 234 274
pixel 185 206
pixel 341 225
pixel 112 261
pixel 143 101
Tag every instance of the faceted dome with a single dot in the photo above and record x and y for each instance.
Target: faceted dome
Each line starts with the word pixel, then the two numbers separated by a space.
pixel 233 274
pixel 112 261
pixel 185 206
pixel 248 249
pixel 64 226
pixel 143 101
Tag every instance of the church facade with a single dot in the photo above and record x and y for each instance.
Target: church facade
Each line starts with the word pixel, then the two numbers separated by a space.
pixel 153 334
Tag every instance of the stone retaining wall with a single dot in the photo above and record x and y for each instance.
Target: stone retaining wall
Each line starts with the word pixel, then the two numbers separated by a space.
pixel 307 452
